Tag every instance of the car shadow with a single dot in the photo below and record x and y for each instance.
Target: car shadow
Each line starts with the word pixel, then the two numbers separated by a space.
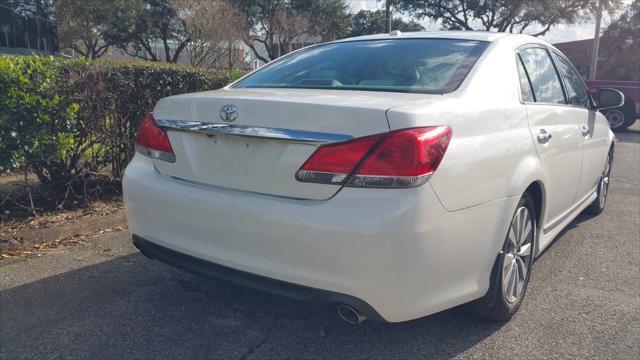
pixel 631 135
pixel 582 217
pixel 134 307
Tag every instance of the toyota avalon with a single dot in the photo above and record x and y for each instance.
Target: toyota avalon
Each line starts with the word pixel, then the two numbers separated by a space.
pixel 393 175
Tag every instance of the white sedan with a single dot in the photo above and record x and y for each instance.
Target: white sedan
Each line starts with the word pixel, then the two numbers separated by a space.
pixel 394 176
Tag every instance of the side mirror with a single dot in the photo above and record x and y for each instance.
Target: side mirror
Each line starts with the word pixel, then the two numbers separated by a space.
pixel 609 98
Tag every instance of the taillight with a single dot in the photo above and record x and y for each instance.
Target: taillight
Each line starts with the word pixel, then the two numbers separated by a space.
pixel 399 159
pixel 153 141
pixel 331 164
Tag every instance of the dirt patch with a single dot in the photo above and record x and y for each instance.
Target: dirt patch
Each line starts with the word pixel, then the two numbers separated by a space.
pixel 27 236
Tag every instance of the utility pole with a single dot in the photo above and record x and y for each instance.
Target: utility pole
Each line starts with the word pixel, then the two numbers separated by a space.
pixel 387 5
pixel 596 43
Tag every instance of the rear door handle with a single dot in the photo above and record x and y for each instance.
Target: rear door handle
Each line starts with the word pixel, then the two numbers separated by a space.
pixel 585 130
pixel 544 136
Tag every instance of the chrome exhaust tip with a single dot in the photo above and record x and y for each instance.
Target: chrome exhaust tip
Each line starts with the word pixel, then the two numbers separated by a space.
pixel 350 315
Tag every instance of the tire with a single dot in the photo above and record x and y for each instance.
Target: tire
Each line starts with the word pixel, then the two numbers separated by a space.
pixel 621 118
pixel 501 301
pixel 630 116
pixel 617 119
pixel 597 206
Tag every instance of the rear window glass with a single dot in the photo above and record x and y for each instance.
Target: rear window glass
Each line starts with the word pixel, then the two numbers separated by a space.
pixel 401 65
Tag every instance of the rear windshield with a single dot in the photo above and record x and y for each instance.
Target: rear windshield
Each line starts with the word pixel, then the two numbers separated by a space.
pixel 402 65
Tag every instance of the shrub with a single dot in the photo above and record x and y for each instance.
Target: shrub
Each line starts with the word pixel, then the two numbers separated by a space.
pixel 114 97
pixel 38 125
pixel 70 121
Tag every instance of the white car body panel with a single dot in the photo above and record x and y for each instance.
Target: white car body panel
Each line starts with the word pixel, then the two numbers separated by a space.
pixel 379 249
pixel 564 148
pixel 399 250
pixel 594 148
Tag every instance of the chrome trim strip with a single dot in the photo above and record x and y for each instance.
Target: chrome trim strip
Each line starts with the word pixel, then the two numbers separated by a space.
pixel 311 137
pixel 555 222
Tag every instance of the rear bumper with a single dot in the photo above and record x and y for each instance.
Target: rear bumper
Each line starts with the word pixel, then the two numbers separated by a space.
pixel 219 272
pixel 397 250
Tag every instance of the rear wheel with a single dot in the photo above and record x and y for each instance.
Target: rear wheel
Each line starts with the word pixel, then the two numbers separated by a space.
pixel 597 206
pixel 511 272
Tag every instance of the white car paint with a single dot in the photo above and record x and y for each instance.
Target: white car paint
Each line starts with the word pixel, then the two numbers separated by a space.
pixel 406 252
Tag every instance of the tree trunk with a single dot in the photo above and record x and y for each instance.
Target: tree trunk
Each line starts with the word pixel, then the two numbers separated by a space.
pixel 596 44
pixel 388 16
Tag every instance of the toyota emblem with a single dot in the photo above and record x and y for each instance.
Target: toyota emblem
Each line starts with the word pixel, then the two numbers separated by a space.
pixel 229 112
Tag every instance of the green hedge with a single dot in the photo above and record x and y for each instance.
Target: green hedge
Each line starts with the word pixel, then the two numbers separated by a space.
pixel 63 118
pixel 57 112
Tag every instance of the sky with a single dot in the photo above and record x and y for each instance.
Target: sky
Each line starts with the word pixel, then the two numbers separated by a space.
pixel 560 33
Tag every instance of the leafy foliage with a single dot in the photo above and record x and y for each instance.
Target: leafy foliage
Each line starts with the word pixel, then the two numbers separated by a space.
pixel 147 21
pixel 115 96
pixel 38 124
pixel 521 16
pixel 83 24
pixel 374 22
pixel 621 42
pixel 277 24
pixel 70 121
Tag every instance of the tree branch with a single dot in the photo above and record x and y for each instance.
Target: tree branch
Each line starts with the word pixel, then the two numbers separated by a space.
pixel 255 52
pixel 176 54
pixel 540 33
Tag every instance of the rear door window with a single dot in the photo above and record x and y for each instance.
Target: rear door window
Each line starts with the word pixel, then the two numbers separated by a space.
pixel 525 86
pixel 542 73
pixel 574 85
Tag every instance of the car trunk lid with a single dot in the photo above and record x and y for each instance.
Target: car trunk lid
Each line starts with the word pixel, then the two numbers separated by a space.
pixel 273 132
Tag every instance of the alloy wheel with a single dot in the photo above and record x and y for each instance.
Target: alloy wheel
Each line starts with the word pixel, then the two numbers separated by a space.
pixel 517 255
pixel 604 182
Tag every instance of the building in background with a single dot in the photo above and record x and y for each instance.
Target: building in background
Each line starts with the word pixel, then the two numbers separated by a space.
pixel 579 52
pixel 27 27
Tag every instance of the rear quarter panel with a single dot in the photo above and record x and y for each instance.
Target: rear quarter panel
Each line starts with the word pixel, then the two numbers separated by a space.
pixel 491 154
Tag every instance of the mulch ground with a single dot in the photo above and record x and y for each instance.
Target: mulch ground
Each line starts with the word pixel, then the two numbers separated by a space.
pixel 33 236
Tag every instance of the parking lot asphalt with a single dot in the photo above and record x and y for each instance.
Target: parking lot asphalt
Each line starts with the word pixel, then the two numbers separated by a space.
pixel 103 300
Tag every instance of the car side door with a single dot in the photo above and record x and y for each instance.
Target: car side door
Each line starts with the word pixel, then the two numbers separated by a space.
pixel 554 129
pixel 595 130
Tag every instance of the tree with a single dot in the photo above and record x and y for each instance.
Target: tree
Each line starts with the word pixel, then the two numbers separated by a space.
pixel 279 24
pixel 329 19
pixel 214 27
pixel 621 40
pixel 366 22
pixel 517 16
pixel 82 24
pixel 151 21
pixel 262 25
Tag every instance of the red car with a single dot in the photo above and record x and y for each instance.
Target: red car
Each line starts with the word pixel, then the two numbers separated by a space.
pixel 622 117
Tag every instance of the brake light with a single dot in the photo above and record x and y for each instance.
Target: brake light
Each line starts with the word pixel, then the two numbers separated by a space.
pixel 331 164
pixel 400 159
pixel 153 141
pixel 404 159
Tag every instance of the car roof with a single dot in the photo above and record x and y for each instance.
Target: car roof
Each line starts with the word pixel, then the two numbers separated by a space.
pixel 459 35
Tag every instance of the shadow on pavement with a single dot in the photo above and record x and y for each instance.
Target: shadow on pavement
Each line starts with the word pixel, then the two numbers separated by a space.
pixel 631 135
pixel 132 307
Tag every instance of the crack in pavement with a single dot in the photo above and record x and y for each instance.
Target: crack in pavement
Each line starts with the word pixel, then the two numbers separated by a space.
pixel 254 348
